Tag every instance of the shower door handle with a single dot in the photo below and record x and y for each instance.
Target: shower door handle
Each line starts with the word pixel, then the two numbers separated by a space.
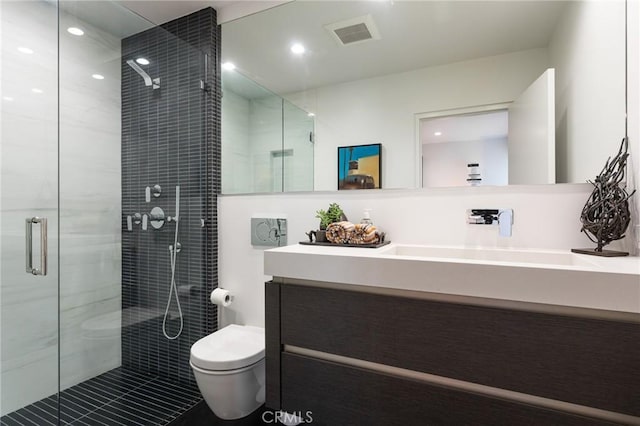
pixel 29 245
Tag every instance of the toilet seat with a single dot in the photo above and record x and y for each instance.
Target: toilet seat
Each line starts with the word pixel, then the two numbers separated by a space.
pixel 231 348
pixel 223 372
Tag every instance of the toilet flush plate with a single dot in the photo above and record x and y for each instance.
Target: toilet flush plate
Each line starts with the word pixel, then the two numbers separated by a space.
pixel 269 232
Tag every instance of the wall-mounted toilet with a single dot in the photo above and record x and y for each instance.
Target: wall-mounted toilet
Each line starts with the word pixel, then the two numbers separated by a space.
pixel 229 368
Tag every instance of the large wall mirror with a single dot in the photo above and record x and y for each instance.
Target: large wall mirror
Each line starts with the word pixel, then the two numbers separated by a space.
pixel 526 92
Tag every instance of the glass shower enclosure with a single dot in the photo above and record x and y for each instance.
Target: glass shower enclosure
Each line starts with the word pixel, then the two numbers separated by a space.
pixel 267 141
pixel 104 255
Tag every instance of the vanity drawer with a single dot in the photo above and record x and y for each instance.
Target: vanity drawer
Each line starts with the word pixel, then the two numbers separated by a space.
pixel 586 361
pixel 336 394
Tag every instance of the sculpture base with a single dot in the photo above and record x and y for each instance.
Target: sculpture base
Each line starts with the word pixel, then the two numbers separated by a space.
pixel 603 253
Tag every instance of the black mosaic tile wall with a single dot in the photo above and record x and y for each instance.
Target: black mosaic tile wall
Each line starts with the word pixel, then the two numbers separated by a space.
pixel 170 136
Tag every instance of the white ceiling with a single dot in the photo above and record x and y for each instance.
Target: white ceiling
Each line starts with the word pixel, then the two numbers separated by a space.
pixel 465 128
pixel 414 34
pixel 161 11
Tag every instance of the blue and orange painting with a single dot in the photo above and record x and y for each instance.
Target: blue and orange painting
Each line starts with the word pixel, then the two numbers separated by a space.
pixel 359 166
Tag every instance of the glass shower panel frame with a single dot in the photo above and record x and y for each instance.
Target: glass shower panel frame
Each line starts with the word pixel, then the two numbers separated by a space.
pixel 127 125
pixel 90 189
pixel 28 194
pixel 298 148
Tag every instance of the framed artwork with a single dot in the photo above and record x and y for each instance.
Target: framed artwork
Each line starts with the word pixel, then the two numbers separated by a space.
pixel 359 166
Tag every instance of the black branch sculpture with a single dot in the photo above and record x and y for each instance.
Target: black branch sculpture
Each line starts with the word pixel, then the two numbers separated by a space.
pixel 606 216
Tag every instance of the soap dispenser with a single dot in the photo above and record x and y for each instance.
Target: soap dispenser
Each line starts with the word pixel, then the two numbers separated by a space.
pixel 366 217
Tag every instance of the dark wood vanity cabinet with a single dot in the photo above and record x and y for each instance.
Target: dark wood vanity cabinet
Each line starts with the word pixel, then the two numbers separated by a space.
pixel 368 356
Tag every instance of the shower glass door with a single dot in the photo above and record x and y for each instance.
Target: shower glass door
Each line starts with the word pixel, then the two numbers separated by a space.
pixel 102 118
pixel 28 211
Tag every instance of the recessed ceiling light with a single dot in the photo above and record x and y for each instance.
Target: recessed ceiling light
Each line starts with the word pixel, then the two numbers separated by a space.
pixel 75 31
pixel 437 134
pixel 311 114
pixel 36 90
pixel 98 76
pixel 298 49
pixel 7 98
pixel 25 50
pixel 142 61
pixel 229 66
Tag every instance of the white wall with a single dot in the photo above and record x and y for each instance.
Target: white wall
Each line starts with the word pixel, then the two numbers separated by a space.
pixel 633 23
pixel 545 216
pixel 590 110
pixel 382 109
pixel 445 164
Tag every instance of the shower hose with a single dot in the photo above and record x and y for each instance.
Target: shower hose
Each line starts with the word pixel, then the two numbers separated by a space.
pixel 173 253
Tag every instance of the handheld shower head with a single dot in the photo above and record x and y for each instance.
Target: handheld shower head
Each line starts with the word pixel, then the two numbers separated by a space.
pixel 177 202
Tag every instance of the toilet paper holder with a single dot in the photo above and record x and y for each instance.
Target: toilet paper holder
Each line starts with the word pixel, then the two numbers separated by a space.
pixel 221 297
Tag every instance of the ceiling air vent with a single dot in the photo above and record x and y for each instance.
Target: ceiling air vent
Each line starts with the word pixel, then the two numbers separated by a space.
pixel 355 30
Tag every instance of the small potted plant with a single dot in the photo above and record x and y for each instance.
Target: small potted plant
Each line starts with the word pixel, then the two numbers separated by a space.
pixel 333 214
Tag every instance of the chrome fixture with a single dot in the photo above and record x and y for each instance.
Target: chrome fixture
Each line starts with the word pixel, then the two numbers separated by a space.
pixel 148 81
pixel 157 217
pixel 268 232
pixel 174 249
pixel 502 217
pixel 42 270
pixel 156 190
pixel 136 218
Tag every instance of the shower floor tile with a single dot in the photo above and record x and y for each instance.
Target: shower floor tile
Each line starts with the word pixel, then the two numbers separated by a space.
pixel 115 398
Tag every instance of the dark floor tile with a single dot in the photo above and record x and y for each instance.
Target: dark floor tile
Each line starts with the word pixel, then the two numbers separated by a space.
pixel 201 415
pixel 48 413
pixel 20 419
pixel 72 408
pixel 89 396
pixel 97 419
pixel 35 416
pixel 121 417
pixel 119 397
pixel 8 420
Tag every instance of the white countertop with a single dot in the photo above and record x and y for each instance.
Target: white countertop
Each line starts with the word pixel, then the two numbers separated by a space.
pixel 545 276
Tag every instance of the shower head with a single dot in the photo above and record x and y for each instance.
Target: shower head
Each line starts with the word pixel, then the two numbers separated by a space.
pixel 147 80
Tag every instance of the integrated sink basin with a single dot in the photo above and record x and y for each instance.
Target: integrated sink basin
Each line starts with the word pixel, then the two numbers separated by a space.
pixel 553 277
pixel 492 255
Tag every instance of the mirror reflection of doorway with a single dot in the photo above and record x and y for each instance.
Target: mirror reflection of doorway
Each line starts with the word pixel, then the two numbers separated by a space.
pixel 451 143
pixel 500 144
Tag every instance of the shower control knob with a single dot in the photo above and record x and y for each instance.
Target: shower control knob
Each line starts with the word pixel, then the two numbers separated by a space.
pixel 157 217
pixel 137 218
